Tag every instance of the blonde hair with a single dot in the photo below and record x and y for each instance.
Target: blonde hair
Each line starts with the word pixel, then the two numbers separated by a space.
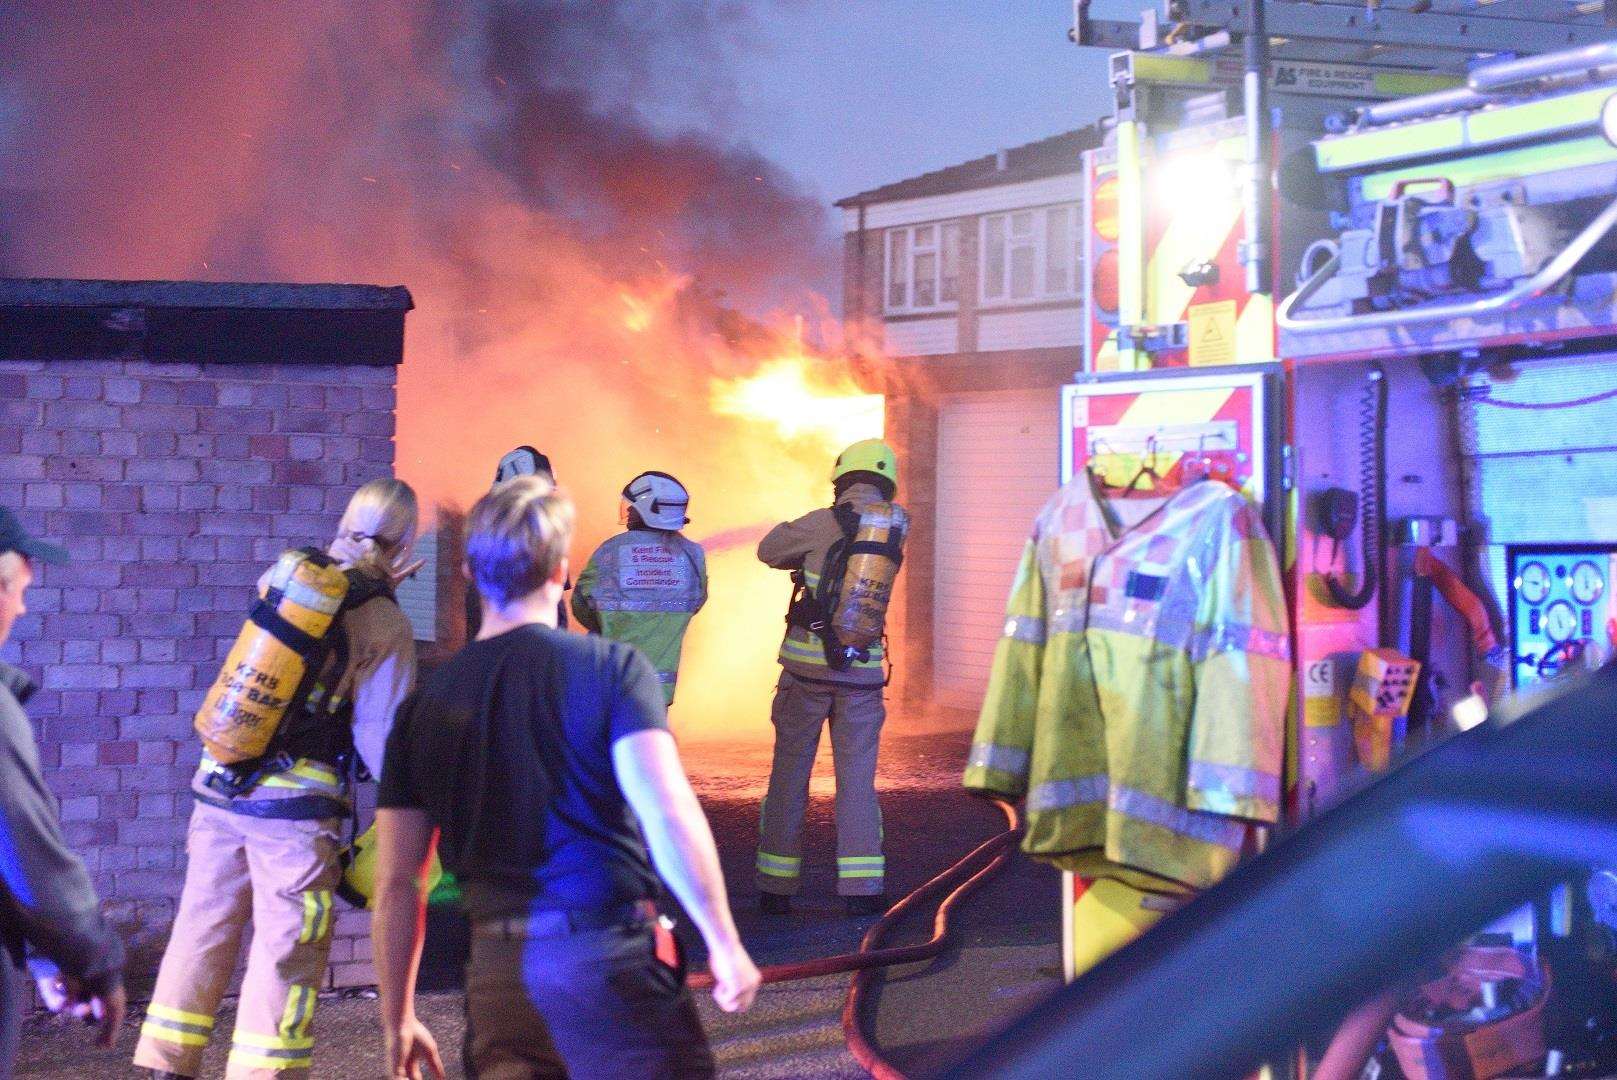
pixel 516 537
pixel 377 528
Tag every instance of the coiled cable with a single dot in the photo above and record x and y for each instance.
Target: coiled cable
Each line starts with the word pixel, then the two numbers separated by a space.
pixel 1372 492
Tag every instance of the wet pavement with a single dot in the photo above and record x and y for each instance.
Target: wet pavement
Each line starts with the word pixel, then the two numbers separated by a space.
pixel 1005 955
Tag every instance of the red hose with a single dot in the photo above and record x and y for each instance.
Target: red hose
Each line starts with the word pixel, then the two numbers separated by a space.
pixel 868 957
pixel 1003 845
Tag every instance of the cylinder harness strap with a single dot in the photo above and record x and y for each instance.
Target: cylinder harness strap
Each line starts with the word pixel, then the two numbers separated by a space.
pixel 310 710
pixel 810 609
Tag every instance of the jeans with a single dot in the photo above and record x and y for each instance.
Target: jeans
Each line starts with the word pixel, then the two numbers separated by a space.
pixel 591 1004
pixel 12 993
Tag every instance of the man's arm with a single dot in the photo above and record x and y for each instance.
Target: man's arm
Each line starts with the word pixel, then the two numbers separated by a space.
pixel 649 772
pixel 786 545
pixel 51 892
pixel 398 926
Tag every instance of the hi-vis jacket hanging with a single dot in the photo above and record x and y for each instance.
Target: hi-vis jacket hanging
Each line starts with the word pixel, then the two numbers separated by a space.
pixel 1138 696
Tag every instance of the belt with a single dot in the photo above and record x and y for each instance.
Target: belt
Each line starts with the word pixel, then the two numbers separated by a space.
pixel 560 923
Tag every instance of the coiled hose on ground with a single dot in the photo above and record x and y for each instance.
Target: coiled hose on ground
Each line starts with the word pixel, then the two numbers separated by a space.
pixel 959 880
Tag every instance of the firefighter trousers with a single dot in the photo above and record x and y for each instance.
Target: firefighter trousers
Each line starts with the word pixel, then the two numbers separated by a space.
pixel 855 713
pixel 279 874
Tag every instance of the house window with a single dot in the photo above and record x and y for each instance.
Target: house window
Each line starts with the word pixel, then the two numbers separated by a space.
pixel 1030 255
pixel 923 267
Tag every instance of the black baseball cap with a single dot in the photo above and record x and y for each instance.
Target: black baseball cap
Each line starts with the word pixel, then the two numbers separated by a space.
pixel 13 537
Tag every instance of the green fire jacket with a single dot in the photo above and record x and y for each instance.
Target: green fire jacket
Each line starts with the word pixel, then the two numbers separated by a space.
pixel 642 587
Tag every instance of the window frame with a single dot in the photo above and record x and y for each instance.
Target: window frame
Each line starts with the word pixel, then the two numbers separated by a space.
pixel 912 253
pixel 1038 240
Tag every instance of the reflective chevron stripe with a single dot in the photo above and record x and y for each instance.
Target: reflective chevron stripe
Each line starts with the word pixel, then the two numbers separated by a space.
pixel 316 916
pixel 783 866
pixel 861 866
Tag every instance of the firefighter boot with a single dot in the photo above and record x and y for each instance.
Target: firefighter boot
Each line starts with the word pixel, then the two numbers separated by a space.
pixel 863 906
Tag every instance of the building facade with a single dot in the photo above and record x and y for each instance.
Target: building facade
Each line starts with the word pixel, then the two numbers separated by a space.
pixel 968 280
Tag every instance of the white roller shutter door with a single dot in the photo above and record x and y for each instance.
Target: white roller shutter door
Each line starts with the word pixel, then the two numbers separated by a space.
pixel 999 460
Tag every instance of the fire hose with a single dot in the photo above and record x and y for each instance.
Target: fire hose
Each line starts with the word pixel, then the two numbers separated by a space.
pixel 961 879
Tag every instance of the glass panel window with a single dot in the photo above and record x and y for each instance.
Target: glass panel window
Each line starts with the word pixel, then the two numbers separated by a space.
pixel 926 279
pixel 1031 255
pixel 1022 267
pixel 1057 251
pixel 949 272
pixel 994 258
pixel 898 294
pixel 923 267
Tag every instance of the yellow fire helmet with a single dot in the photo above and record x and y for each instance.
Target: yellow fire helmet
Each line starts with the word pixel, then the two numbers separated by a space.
pixel 867 455
pixel 358 885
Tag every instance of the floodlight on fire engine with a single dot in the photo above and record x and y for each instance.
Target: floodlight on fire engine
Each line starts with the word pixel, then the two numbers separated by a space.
pixel 1197 184
pixel 1608 120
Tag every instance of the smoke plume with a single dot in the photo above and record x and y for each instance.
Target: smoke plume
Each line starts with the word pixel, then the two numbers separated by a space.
pixel 590 244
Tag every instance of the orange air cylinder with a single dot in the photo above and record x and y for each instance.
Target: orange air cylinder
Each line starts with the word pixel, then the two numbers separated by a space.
pixel 250 697
pixel 867 586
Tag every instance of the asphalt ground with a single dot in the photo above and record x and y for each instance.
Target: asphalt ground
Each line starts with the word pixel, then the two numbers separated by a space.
pixel 1004 957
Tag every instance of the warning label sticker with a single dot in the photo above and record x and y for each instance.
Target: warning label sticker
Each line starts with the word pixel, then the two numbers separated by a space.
pixel 1212 333
pixel 650 566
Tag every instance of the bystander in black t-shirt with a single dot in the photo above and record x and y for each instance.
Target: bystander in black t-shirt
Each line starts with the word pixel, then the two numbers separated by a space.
pixel 508 750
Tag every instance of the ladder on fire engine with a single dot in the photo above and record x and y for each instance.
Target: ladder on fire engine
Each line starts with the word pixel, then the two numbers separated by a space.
pixel 1414 34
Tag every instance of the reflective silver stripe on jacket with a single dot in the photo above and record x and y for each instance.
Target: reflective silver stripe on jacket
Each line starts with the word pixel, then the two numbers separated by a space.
pixel 1005 759
pixel 1235 780
pixel 1027 628
pixel 1065 794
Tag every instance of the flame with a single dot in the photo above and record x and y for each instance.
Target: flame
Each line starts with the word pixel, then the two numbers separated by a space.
pixel 800 398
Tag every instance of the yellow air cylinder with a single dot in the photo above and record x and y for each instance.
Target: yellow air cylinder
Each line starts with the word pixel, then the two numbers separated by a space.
pixel 249 699
pixel 867 586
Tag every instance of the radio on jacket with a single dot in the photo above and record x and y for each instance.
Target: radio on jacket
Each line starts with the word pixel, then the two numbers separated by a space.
pixel 283 639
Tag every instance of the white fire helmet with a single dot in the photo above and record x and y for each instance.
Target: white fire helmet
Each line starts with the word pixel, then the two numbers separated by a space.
pixel 660 500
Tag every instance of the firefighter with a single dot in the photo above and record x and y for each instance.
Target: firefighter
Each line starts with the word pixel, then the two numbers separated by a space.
pixel 816 684
pixel 644 585
pixel 265 834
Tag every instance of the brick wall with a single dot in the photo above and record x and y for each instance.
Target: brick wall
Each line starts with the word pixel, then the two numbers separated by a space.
pixel 173 485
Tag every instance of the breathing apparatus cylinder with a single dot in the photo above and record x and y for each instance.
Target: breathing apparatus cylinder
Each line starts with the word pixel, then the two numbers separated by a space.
pixel 270 659
pixel 874 557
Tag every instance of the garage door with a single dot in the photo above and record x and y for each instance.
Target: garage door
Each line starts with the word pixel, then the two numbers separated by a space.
pixel 999 460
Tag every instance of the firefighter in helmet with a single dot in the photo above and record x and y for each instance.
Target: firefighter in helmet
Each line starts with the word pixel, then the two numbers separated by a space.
pixel 644 585
pixel 265 834
pixel 822 680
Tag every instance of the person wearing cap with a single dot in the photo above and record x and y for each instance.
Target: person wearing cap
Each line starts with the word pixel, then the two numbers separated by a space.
pixel 812 692
pixel 644 585
pixel 49 912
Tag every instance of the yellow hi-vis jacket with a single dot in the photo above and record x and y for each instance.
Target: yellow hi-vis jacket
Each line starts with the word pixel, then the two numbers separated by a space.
pixel 642 587
pixel 1138 696
pixel 803 544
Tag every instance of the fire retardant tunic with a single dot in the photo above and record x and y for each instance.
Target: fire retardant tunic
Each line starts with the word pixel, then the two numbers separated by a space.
pixel 642 587
pixel 1138 696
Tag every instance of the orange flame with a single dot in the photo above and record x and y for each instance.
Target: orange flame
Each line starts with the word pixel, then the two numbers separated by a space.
pixel 801 398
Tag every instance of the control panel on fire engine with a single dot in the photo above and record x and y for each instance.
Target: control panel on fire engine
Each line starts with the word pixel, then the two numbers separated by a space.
pixel 1560 607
